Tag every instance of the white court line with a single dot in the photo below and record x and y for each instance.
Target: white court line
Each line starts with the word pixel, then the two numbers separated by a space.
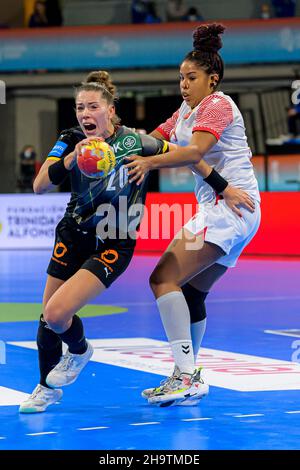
pixel 144 424
pixel 283 333
pixel 248 416
pixel 142 354
pixel 41 433
pixel 292 412
pixel 2 437
pixel 195 419
pixel 92 429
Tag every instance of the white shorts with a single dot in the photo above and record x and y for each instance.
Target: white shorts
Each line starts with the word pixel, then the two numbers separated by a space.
pixel 225 229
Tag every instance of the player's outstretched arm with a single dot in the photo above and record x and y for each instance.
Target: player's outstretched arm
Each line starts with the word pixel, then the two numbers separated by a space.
pixel 48 178
pixel 42 183
pixel 138 167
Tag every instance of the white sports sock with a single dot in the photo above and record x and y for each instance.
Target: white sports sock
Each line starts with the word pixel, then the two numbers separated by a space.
pixel 175 316
pixel 197 333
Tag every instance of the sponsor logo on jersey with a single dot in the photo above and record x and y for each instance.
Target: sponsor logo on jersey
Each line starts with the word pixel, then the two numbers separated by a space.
pixel 58 149
pixel 59 251
pixel 129 142
pixel 106 271
pixel 107 258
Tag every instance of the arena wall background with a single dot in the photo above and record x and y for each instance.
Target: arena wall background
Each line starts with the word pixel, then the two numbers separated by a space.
pixel 278 235
pixel 28 221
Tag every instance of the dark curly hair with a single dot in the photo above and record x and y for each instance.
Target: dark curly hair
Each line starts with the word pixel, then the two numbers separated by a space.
pixel 207 42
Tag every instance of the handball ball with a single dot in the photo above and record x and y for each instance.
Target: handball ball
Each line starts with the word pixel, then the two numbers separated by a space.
pixel 96 160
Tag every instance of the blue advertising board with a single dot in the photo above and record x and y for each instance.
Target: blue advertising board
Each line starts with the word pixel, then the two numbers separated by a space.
pixel 143 46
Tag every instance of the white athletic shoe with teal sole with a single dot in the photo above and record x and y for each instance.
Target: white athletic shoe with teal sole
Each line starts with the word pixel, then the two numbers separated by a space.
pixel 40 399
pixel 69 368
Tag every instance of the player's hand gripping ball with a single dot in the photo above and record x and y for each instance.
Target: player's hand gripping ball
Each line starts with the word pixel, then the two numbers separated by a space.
pixel 96 159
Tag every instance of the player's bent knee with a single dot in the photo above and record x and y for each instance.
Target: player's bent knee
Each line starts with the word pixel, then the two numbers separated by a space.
pixel 54 315
pixel 157 284
pixel 154 280
pixel 196 302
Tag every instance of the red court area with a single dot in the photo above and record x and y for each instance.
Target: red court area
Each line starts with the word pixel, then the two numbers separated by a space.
pixel 278 234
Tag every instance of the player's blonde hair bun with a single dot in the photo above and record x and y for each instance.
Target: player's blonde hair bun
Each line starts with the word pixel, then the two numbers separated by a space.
pixel 103 78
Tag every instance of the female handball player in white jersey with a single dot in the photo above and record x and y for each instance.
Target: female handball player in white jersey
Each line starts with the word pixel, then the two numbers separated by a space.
pixel 210 130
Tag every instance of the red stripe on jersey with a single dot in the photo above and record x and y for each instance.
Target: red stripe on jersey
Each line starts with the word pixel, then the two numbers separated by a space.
pixel 187 115
pixel 207 129
pixel 162 132
pixel 215 114
pixel 166 128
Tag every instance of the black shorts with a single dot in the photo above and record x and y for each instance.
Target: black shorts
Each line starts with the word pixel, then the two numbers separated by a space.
pixel 75 249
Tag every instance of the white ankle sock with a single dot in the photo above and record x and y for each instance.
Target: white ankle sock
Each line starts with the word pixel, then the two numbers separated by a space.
pixel 175 316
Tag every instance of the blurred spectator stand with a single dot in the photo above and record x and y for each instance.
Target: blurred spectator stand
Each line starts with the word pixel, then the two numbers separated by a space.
pixel 39 18
pixel 284 8
pixel 176 10
pixel 28 168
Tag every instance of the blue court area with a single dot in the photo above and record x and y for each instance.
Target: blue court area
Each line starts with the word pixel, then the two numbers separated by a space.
pixel 247 355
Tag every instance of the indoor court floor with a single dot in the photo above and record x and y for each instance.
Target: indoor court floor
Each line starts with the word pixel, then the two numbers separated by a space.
pixel 250 353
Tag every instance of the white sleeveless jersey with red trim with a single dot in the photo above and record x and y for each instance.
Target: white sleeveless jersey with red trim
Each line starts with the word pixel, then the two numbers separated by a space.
pixel 230 156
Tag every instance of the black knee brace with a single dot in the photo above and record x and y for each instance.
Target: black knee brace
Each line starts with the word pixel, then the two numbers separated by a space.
pixel 46 338
pixel 196 302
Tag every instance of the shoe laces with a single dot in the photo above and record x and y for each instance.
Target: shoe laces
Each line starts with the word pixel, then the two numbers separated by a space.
pixel 174 383
pixel 197 376
pixel 66 362
pixel 165 382
pixel 38 389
